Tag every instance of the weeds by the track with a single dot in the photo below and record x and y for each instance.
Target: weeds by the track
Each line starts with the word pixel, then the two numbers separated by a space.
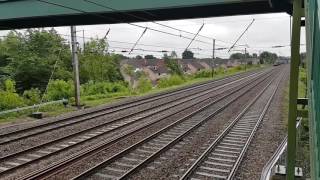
pixel 99 99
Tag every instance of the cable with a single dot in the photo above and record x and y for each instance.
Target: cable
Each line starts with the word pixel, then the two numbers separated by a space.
pixel 118 21
pixel 145 19
pixel 51 76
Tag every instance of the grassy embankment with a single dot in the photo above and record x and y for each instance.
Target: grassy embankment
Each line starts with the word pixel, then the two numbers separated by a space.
pixel 99 99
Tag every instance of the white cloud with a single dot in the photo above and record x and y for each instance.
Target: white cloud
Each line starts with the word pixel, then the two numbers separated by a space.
pixel 268 30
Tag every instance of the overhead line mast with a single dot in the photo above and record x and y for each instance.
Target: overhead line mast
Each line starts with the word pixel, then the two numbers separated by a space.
pixel 194 37
pixel 241 35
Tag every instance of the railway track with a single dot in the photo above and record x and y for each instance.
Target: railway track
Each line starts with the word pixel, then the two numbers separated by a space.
pixel 20 156
pixel 20 134
pixel 223 157
pixel 133 158
pixel 55 167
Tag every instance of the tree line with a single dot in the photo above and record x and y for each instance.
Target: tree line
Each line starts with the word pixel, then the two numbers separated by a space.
pixel 28 59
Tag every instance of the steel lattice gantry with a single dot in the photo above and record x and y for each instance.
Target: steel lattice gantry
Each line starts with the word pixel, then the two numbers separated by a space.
pixel 43 13
pixel 313 58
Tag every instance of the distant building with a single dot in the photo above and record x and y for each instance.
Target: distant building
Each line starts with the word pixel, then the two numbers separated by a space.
pixel 156 68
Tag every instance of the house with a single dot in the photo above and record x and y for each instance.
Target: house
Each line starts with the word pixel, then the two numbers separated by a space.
pixel 156 69
pixel 191 66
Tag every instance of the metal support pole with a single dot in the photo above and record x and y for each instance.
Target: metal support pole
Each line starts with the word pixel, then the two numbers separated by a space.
pixel 293 91
pixel 245 59
pixel 75 64
pixel 213 50
pixel 83 40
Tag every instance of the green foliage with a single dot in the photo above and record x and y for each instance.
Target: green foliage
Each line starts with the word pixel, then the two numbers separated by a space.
pixel 10 86
pixel 96 66
pixel 149 57
pixel 128 69
pixel 203 74
pixel 139 57
pixel 242 55
pixel 8 98
pixel 32 96
pixel 59 89
pixel 268 57
pixel 96 46
pixel 144 85
pixel 174 66
pixel 187 54
pixel 92 88
pixel 170 81
pixel 29 57
pixel 173 55
pixel 237 56
pixel 32 72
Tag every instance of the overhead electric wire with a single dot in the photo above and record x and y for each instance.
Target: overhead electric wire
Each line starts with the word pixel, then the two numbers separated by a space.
pixel 118 21
pixel 127 49
pixel 145 19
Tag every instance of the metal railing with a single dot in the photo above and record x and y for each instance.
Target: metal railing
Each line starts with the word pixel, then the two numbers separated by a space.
pixel 33 106
pixel 280 152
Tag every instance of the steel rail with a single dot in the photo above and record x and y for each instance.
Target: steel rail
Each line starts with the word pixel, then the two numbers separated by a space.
pixel 176 91
pixel 156 154
pixel 59 165
pixel 235 168
pixel 126 116
pixel 143 101
pixel 227 130
pixel 135 146
pixel 10 156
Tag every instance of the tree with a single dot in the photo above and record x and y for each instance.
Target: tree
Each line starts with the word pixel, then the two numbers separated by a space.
pixel 97 66
pixel 28 58
pixel 187 54
pixel 268 57
pixel 165 56
pixel 149 57
pixel 174 66
pixel 237 56
pixel 255 55
pixel 173 55
pixel 139 57
pixel 240 56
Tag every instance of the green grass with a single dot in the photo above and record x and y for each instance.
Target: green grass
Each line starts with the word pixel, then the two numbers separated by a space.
pixel 95 100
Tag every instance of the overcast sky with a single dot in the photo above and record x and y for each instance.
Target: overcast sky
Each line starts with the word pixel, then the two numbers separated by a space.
pixel 268 30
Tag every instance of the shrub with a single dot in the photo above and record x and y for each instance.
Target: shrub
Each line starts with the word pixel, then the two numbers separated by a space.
pixel 203 74
pixel 59 89
pixel 10 100
pixel 10 86
pixel 32 96
pixel 220 70
pixel 239 68
pixel 144 85
pixel 170 81
pixel 92 88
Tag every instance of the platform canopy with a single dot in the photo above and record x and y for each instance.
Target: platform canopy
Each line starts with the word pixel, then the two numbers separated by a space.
pixel 16 14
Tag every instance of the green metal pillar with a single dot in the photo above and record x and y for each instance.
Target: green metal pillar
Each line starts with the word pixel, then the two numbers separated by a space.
pixel 293 91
